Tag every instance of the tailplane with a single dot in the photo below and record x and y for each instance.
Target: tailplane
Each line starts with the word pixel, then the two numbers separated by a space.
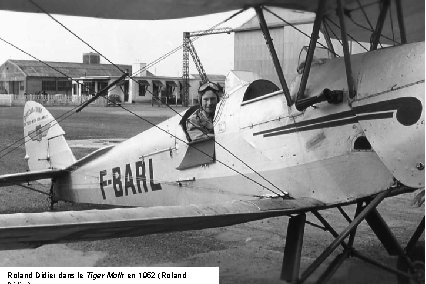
pixel 45 145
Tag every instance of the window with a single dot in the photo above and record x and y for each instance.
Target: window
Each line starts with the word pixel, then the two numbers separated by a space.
pixel 201 153
pixel 64 85
pixel 143 85
pixel 48 85
pixel 101 85
pixel 259 88
pixel 3 87
pixel 88 87
pixel 21 85
pixel 14 87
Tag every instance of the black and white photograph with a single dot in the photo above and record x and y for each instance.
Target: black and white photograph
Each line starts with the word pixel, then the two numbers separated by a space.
pixel 212 141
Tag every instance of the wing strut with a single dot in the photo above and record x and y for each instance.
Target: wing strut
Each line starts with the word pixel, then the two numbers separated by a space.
pixel 295 232
pixel 311 50
pixel 347 55
pixel 264 27
pixel 401 22
pixel 293 248
pixel 375 37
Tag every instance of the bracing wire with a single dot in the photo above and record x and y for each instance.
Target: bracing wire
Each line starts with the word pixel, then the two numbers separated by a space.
pixel 350 36
pixel 60 118
pixel 232 154
pixel 364 13
pixel 163 130
pixel 235 14
pixel 161 58
pixel 299 30
pixel 370 28
pixel 149 122
pixel 331 30
pixel 168 106
pixel 53 18
pixel 326 28
pixel 34 189
pixel 391 21
pixel 201 151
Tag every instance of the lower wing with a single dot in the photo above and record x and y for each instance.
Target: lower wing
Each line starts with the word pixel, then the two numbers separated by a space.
pixel 29 230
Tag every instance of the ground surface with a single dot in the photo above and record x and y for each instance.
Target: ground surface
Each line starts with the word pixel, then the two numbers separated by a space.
pixel 245 253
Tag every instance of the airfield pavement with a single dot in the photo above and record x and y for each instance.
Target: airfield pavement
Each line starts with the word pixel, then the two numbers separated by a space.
pixel 245 253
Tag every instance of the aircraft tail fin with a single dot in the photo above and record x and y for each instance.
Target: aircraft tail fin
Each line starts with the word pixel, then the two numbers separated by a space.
pixel 45 145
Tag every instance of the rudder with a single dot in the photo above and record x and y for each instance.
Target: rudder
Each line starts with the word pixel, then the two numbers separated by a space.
pixel 45 145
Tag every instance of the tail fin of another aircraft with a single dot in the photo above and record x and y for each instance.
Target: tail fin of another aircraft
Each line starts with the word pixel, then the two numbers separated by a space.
pixel 45 145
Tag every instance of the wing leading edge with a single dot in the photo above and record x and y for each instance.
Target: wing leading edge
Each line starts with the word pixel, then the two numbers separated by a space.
pixel 146 9
pixel 29 230
pixel 357 11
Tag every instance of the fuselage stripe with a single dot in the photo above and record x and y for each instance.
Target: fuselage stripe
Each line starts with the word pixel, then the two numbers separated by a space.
pixel 408 111
pixel 333 123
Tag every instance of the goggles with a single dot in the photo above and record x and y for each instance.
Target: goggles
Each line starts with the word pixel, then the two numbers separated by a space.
pixel 209 85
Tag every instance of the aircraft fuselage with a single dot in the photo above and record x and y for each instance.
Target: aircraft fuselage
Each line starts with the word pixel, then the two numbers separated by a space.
pixel 333 153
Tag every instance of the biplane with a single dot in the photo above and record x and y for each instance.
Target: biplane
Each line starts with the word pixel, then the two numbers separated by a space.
pixel 349 131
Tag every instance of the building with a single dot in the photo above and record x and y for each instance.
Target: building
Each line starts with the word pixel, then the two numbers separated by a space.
pixel 251 52
pixel 66 79
pixel 46 82
pixel 147 88
pixel 91 58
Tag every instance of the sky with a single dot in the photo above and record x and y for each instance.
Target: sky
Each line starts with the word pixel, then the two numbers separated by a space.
pixel 121 41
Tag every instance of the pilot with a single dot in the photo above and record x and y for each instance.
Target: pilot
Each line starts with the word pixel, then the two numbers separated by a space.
pixel 200 124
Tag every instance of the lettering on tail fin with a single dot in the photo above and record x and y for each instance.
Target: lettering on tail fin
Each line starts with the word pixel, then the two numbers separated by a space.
pixel 39 132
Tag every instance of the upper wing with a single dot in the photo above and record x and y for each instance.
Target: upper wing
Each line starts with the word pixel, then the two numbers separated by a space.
pixel 145 9
pixel 361 16
pixel 10 179
pixel 357 24
pixel 34 229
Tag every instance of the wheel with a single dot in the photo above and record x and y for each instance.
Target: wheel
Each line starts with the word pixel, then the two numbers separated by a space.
pixel 417 256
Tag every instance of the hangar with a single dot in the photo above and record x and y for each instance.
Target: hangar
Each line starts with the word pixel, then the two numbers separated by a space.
pixel 252 54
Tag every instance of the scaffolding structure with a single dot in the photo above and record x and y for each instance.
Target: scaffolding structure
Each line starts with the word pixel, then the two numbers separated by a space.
pixel 189 49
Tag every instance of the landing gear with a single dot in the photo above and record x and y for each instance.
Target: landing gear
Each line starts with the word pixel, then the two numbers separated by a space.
pixel 416 254
pixel 409 267
pixel 51 198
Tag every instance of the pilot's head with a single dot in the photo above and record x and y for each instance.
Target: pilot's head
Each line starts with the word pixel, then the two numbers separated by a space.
pixel 209 97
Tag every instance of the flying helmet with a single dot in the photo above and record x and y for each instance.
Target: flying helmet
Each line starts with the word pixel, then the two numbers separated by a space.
pixel 209 86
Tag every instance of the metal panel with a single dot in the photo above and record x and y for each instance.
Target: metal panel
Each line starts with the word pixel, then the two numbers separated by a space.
pixel 198 153
pixel 398 92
